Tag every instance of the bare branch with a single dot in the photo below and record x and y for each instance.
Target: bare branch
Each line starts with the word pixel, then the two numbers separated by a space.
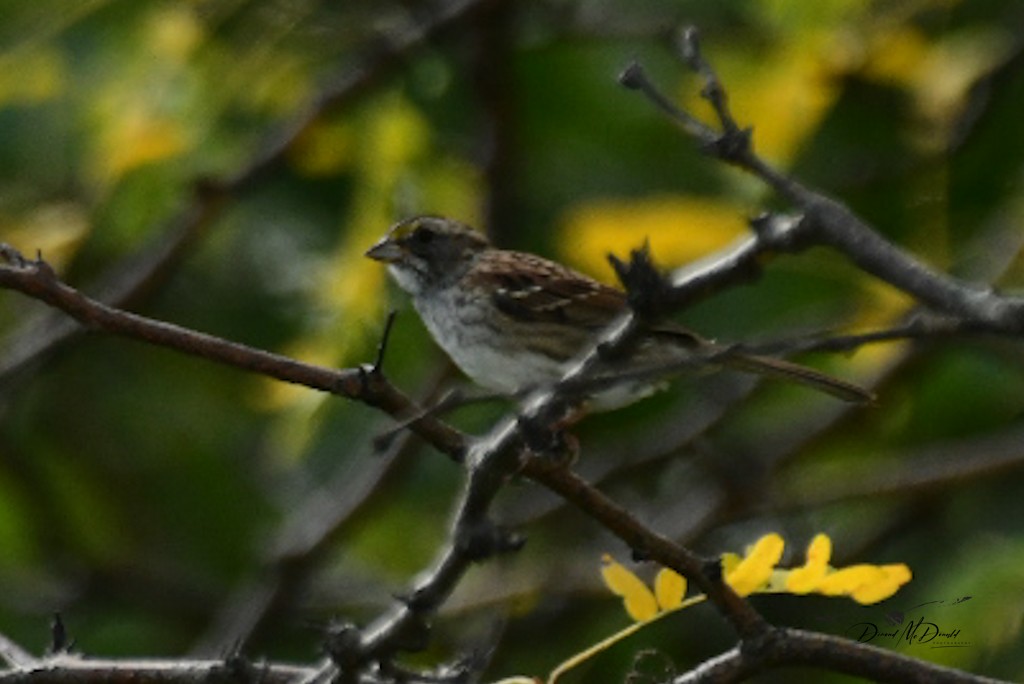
pixel 66 669
pixel 780 648
pixel 648 544
pixel 130 281
pixel 491 462
pixel 14 655
pixel 36 279
pixel 507 450
pixel 828 222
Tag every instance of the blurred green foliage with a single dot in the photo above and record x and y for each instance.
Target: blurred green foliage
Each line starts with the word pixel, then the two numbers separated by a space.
pixel 139 488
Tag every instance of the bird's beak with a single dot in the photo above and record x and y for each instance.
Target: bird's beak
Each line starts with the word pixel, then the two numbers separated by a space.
pixel 387 250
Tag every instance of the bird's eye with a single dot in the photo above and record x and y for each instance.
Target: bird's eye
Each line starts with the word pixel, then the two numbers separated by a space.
pixel 424 236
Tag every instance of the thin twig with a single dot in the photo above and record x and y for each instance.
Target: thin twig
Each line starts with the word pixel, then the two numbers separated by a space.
pixel 784 647
pixel 828 222
pixel 126 283
pixel 382 346
pixel 474 536
pixel 36 279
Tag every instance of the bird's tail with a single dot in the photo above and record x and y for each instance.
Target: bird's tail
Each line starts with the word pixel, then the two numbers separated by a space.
pixel 777 368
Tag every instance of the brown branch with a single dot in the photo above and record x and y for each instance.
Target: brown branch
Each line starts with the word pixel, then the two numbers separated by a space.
pixel 36 279
pixel 14 655
pixel 473 537
pixel 721 394
pixel 825 221
pixel 124 284
pixel 490 463
pixel 783 647
pixel 128 282
pixel 918 326
pixel 68 669
pixel 646 543
pixel 504 452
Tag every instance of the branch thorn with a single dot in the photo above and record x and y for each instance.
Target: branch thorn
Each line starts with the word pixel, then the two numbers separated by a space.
pixel 382 346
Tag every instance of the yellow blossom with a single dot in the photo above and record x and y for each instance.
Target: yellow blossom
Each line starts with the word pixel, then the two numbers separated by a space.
pixel 669 589
pixel 679 229
pixel 888 583
pixel 805 579
pixel 729 561
pixel 754 571
pixel 638 599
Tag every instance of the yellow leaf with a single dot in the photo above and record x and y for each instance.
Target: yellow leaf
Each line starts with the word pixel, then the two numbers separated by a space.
pixel 32 75
pixel 639 601
pixel 139 136
pixel 350 288
pixel 619 579
pixel 173 32
pixel 889 581
pixel 641 606
pixel 803 580
pixel 729 562
pixel 754 571
pixel 896 55
pixel 768 549
pixel 784 94
pixel 849 579
pixel 679 229
pixel 799 16
pixel 669 588
pixel 819 551
pixel 55 230
pixel 399 134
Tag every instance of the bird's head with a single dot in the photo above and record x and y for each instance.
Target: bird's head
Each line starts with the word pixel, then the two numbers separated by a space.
pixel 428 251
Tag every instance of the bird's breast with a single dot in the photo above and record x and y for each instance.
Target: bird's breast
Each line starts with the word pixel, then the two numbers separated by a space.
pixel 486 346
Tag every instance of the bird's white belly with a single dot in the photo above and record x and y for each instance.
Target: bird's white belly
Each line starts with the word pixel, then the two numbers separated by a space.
pixel 494 360
pixel 488 357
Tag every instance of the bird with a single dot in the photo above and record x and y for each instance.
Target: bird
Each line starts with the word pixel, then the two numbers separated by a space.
pixel 513 321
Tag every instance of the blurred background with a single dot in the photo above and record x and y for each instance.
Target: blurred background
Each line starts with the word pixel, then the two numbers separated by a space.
pixel 223 164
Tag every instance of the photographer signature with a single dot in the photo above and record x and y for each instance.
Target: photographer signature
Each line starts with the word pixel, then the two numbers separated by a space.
pixel 920 631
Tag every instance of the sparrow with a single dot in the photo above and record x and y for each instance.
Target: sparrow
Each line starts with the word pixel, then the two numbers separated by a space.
pixel 513 321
